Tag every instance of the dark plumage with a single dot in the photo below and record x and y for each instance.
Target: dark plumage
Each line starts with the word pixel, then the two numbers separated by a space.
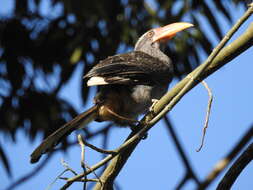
pixel 132 68
pixel 128 84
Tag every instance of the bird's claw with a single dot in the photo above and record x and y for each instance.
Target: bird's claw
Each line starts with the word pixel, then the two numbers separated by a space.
pixel 154 102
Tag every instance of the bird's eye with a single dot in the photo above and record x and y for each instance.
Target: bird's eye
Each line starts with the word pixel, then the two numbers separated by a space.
pixel 151 34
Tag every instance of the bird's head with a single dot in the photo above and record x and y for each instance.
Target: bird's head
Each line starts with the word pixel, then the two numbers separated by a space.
pixel 151 40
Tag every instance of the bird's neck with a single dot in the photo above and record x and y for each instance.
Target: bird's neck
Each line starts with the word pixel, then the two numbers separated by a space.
pixel 154 51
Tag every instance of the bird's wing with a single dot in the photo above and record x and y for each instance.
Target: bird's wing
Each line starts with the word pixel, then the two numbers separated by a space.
pixel 130 68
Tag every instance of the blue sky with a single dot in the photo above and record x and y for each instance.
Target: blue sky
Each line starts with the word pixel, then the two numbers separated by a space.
pixel 155 163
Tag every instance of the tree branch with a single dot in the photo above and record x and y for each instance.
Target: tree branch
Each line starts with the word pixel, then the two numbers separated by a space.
pixel 235 170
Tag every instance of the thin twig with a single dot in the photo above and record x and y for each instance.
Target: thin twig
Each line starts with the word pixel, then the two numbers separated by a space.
pixel 93 168
pixel 100 150
pixel 84 166
pixel 58 177
pixel 64 178
pixel 81 180
pixel 80 141
pixel 209 105
pixel 98 178
pixel 65 165
pixel 90 180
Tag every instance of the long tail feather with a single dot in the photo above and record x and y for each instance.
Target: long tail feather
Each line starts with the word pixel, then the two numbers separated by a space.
pixel 49 143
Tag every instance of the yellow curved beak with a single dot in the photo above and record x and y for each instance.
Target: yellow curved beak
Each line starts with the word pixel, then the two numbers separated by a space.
pixel 168 31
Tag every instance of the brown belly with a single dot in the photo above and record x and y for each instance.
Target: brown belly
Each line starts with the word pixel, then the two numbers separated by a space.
pixel 123 104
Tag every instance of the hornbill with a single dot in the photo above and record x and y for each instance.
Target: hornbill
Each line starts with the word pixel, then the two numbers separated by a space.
pixel 128 83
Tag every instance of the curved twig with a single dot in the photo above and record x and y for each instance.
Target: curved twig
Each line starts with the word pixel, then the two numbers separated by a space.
pixel 235 170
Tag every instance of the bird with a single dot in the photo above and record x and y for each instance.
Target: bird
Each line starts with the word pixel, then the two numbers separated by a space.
pixel 129 84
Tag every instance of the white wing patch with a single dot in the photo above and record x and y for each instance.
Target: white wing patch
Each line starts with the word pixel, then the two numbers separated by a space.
pixel 93 81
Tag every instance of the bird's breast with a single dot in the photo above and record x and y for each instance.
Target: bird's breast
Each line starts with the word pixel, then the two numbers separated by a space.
pixel 123 103
pixel 143 95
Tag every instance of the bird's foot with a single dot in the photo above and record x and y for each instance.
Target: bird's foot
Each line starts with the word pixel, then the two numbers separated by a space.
pixel 154 102
pixel 122 119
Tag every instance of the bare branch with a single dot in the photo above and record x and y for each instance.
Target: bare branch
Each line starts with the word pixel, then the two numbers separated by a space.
pixel 65 165
pixel 235 170
pixel 80 141
pixel 100 150
pixel 210 100
pixel 83 165
pixel 58 177
pixel 98 178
